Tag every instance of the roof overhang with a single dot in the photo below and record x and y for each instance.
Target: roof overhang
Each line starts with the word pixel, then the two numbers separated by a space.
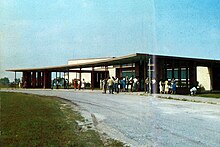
pixel 110 61
pixel 132 58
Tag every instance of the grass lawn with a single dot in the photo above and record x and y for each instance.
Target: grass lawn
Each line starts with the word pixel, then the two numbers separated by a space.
pixel 4 86
pixel 210 95
pixel 32 120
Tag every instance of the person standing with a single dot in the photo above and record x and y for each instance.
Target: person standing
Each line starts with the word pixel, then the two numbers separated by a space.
pixel 75 84
pixel 57 84
pixel 131 81
pixel 83 84
pixel 135 84
pixel 116 85
pixel 110 85
pixel 67 84
pixel 173 86
pixel 127 83
pixel 147 84
pixel 166 87
pixel 104 86
pixel 161 87
pixel 79 84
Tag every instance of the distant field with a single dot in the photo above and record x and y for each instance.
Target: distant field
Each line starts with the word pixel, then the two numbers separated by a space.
pixel 32 120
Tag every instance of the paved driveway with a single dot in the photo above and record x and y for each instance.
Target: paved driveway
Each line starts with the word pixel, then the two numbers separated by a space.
pixel 146 120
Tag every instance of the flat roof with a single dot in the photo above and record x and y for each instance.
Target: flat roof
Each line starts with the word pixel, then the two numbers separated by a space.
pixel 102 58
pixel 113 61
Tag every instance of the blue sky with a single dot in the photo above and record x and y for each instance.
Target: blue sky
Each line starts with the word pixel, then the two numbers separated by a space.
pixel 49 32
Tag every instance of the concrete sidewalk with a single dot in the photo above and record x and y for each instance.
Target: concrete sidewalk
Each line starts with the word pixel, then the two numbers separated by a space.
pixel 167 96
pixel 189 98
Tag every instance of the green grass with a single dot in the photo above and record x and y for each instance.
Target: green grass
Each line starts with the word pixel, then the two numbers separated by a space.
pixel 210 95
pixel 32 120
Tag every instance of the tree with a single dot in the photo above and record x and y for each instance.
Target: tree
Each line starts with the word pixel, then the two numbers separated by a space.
pixel 4 81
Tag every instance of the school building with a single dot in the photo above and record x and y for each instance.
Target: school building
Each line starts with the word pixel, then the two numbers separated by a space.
pixel 188 72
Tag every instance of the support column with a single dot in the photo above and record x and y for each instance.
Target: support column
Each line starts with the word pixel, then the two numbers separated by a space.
pixel 15 79
pixel 159 66
pixel 46 79
pixel 38 79
pixel 42 79
pixel 142 74
pixel 165 70
pixel 49 80
pixel 172 66
pixel 56 81
pixel 215 77
pixel 159 69
pixel 80 74
pixel 106 72
pixel 149 74
pixel 120 72
pixel 33 79
pixel 24 79
pixel 192 74
pixel 68 79
pixel 64 82
pixel 211 77
pixel 137 68
pixel 27 79
pixel 145 74
pixel 179 75
pixel 187 76
pixel 92 79
pixel 132 65
pixel 154 76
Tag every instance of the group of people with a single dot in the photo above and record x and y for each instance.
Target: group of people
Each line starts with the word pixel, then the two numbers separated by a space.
pixel 124 84
pixel 167 87
pixel 79 84
pixel 170 87
pixel 115 84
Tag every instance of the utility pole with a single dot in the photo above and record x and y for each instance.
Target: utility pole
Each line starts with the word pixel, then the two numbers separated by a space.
pixel 149 74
